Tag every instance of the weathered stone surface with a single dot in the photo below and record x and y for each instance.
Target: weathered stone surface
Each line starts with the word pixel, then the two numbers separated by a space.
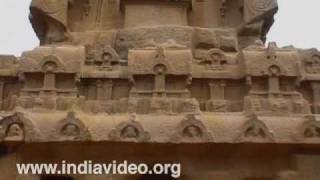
pixel 187 81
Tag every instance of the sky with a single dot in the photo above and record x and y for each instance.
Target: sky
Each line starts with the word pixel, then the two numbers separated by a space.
pixel 296 24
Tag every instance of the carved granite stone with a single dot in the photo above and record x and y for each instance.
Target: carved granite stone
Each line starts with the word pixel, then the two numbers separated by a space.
pixel 170 81
pixel 71 129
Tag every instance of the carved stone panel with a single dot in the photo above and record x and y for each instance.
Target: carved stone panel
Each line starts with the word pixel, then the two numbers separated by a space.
pixel 102 57
pixel 310 129
pixel 191 129
pixel 17 128
pixel 71 129
pixel 255 130
pixel 131 131
pixel 312 63
pixel 215 60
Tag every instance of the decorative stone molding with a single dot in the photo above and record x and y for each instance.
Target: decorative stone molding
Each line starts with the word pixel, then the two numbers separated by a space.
pixel 51 63
pixel 17 128
pixel 310 129
pixel 191 130
pixel 215 60
pixel 71 129
pixel 131 130
pixel 255 131
pixel 312 62
pixel 103 57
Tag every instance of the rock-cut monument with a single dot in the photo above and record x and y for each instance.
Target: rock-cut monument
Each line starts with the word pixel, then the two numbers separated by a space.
pixel 189 81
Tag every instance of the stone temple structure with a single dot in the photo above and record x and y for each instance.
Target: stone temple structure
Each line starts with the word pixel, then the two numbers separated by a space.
pixel 189 81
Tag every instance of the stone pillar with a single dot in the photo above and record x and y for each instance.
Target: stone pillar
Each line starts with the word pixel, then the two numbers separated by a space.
pixel 49 81
pixel 160 80
pixel 316 97
pixel 274 84
pixel 104 90
pixel 217 90
pixel 108 88
pixel 100 90
pixel 160 83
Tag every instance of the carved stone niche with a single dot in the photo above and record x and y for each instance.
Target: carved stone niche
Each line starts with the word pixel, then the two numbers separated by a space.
pixel 71 129
pixel 51 63
pixel 312 63
pixel 17 128
pixel 191 130
pixel 104 58
pixel 215 60
pixel 47 79
pixel 255 130
pixel 310 129
pixel 152 69
pixel 130 131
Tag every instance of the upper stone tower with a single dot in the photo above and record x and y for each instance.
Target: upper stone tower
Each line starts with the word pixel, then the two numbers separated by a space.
pixel 65 20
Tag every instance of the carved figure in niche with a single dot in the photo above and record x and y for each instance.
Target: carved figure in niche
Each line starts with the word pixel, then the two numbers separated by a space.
pixel 103 57
pixel 160 78
pixel 51 64
pixel 311 128
pixel 106 59
pixel 17 128
pixel 215 60
pixel 312 132
pixel 274 81
pixel 49 67
pixel 192 132
pixel 160 69
pixel 49 20
pixel 70 130
pixel 129 131
pixel 255 130
pixel 14 132
pixel 274 70
pixel 191 129
pixel 313 65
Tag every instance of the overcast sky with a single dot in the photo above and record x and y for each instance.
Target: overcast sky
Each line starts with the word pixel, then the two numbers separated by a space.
pixel 296 23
